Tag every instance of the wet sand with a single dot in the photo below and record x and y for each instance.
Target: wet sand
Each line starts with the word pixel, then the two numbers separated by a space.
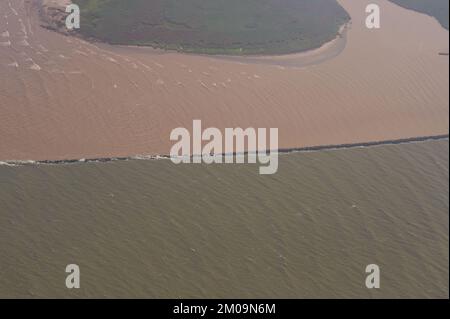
pixel 65 98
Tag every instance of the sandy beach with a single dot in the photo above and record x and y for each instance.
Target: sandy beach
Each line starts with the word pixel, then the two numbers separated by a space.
pixel 64 98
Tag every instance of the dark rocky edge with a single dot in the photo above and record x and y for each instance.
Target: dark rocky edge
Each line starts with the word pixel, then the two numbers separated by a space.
pixel 281 151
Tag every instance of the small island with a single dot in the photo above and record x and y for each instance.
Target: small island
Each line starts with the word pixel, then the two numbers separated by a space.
pixel 232 27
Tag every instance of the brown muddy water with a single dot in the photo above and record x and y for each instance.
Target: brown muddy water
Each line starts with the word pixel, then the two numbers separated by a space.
pixel 154 229
pixel 64 98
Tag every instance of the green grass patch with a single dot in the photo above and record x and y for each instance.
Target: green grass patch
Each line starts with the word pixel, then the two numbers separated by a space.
pixel 214 26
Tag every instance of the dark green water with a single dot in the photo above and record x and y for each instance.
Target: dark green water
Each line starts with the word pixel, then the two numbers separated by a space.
pixel 153 229
pixel 434 8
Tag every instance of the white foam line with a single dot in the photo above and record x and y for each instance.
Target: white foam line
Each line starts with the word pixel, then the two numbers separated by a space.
pixel 24 43
pixel 110 59
pixel 7 164
pixel 29 26
pixel 145 66
pixel 203 84
pixel 81 53
pixel 56 71
pixel 279 151
pixel 35 67
pixel 43 49
pixel 12 9
pixel 13 64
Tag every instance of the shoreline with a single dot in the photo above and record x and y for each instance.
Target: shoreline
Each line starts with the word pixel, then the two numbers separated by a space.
pixel 339 37
pixel 281 151
pixel 313 56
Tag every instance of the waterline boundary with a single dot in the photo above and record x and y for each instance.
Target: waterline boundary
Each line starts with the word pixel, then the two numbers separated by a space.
pixel 281 151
